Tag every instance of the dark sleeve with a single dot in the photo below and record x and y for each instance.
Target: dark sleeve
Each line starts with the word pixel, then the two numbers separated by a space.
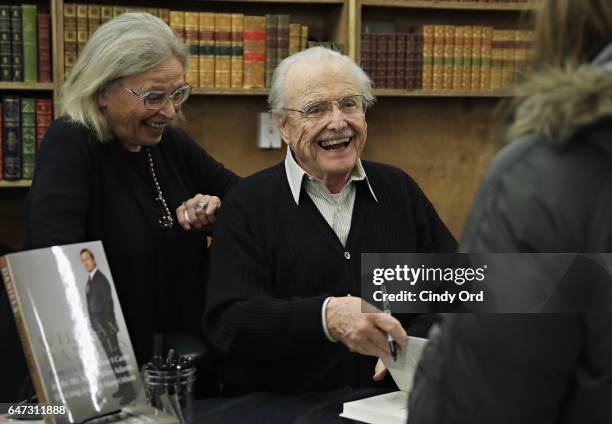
pixel 433 235
pixel 59 199
pixel 496 369
pixel 243 317
pixel 209 175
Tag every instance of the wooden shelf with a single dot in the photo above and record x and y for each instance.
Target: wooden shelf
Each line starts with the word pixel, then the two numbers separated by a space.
pixel 230 92
pixel 7 85
pixel 15 184
pixel 392 92
pixel 450 5
pixel 285 1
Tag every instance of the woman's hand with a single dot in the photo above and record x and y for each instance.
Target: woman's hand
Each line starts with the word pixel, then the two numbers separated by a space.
pixel 198 212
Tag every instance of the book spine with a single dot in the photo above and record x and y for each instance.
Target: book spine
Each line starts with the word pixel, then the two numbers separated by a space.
pixel 428 49
pixel 391 61
pixel 106 14
pixel 458 58
pixel 303 37
pixel 70 37
pixel 449 57
pixel 466 81
pixel 93 18
pixel 271 25
pixel 477 34
pixel 294 38
pixel 30 48
pixel 119 10
pixel 497 53
pixel 164 15
pixel 16 44
pixel 365 53
pixel 177 23
pixel 418 57
pixel 485 71
pixel 26 343
pixel 44 116
pixel 521 52
pixel 192 39
pixel 44 47
pixel 28 137
pixel 380 80
pixel 82 27
pixel 508 53
pixel 223 49
pixel 282 39
pixel 207 49
pixel 410 66
pixel 400 60
pixel 6 72
pixel 254 51
pixel 438 57
pixel 12 138
pixel 237 71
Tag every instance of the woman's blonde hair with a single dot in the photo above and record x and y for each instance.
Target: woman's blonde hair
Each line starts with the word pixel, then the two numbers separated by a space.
pixel 572 32
pixel 127 45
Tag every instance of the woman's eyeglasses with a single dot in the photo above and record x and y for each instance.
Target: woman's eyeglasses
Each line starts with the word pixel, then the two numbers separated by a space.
pixel 154 100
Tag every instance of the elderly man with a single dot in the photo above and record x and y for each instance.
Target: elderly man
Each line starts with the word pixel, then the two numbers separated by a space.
pixel 283 308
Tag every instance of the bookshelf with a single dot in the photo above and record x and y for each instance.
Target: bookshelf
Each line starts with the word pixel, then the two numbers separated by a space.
pixel 444 139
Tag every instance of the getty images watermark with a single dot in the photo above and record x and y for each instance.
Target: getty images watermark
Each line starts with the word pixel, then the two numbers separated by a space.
pixel 488 283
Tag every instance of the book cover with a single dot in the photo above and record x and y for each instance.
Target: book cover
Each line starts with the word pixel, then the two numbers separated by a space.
pixel 449 56
pixel 497 56
pixel 477 34
pixel 44 116
pixel 438 57
pixel 380 77
pixel 237 60
pixel 418 55
pixel 391 60
pixel 192 39
pixel 458 58
pixel 223 49
pixel 6 72
pixel 16 44
pixel 366 53
pixel 12 137
pixel 428 48
pixel 70 37
pixel 82 27
pixel 28 137
pixel 468 40
pixel 271 38
pixel 73 333
pixel 400 60
pixel 207 49
pixel 30 42
pixel 93 18
pixel 485 70
pixel 411 62
pixel 43 21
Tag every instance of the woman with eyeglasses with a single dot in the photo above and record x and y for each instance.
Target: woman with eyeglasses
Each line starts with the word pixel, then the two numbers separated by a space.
pixel 113 168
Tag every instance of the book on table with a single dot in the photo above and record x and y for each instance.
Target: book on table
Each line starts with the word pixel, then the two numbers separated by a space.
pixel 74 335
pixel 390 408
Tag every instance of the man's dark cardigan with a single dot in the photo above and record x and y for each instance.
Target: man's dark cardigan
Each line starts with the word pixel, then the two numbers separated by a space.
pixel 274 262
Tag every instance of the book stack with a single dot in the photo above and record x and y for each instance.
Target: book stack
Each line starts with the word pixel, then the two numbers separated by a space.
pixel 23 124
pixel 25 51
pixel 447 57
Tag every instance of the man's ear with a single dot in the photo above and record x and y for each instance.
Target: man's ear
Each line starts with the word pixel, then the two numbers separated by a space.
pixel 281 124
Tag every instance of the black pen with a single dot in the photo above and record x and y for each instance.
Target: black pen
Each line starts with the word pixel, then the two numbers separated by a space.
pixel 387 310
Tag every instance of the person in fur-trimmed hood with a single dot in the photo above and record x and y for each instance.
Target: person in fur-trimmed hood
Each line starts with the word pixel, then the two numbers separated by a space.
pixel 549 190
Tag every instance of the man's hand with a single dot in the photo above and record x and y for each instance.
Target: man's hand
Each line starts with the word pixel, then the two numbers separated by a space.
pixel 362 332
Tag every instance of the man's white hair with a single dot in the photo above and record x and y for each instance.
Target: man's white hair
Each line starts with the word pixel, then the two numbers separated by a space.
pixel 277 98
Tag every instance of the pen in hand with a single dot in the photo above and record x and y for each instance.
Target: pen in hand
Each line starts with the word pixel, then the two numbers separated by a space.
pixel 387 310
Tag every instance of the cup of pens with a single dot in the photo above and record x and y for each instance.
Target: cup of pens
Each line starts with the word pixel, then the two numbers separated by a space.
pixel 169 385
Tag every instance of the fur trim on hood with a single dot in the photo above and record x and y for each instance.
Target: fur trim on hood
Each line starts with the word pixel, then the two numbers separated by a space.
pixel 557 103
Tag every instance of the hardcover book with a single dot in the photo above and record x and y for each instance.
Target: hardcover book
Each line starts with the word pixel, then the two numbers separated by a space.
pixel 74 335
pixel 428 48
pixel 223 49
pixel 16 44
pixel 30 48
pixel 44 116
pixel 294 38
pixel 44 47
pixel 28 137
pixel 82 27
pixel 12 138
pixel 390 408
pixel 93 18
pixel 271 47
pixel 70 37
pixel 237 50
pixel 254 51
pixel 207 49
pixel 6 72
pixel 192 39
pixel 282 38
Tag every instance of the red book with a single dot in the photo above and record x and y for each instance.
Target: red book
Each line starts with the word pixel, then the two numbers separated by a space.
pixel 44 47
pixel 44 116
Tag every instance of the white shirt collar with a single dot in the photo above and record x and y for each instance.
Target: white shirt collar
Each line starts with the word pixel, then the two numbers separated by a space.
pixel 295 175
pixel 91 274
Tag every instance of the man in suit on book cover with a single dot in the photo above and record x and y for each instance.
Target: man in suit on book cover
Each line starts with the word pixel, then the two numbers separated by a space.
pixel 100 306
pixel 284 307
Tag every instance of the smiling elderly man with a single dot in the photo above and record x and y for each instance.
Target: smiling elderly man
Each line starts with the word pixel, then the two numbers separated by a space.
pixel 283 308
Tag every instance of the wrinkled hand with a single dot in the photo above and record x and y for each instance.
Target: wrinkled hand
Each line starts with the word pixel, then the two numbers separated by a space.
pixel 380 371
pixel 362 332
pixel 198 212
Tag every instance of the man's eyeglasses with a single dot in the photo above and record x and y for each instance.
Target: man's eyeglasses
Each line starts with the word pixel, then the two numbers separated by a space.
pixel 154 100
pixel 350 105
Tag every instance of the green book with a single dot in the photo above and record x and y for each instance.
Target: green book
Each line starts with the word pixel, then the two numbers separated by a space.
pixel 271 25
pixel 30 45
pixel 28 137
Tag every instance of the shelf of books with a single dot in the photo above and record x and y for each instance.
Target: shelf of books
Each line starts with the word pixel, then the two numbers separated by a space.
pixel 31 86
pixel 455 5
pixel 15 184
